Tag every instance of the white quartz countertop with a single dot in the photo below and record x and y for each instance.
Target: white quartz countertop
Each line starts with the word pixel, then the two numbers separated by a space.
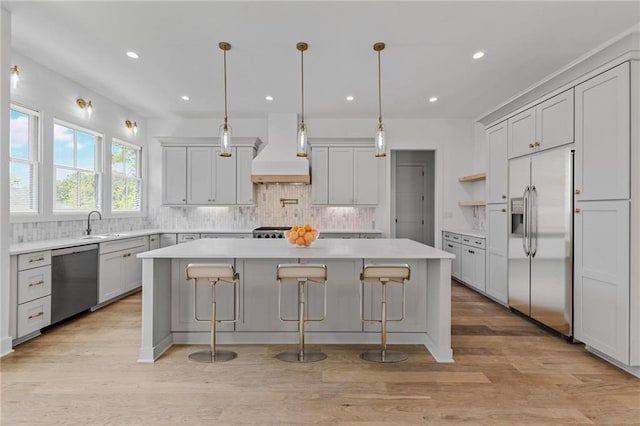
pixel 33 246
pixel 280 248
pixel 477 233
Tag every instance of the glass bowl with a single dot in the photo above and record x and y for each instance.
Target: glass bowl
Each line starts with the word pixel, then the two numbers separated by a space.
pixel 303 238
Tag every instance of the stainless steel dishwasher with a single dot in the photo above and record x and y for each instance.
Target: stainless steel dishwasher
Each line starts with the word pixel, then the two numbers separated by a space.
pixel 74 281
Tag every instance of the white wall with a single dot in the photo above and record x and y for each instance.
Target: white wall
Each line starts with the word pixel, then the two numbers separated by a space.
pixel 54 96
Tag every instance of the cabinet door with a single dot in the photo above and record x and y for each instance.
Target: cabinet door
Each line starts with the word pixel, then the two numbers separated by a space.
pixel 603 136
pixel 479 269
pixel 174 176
pixel 521 133
pixel 454 249
pixel 111 278
pixel 601 275
pixel 365 179
pixel 200 177
pixel 467 264
pixel 244 192
pixel 341 176
pixel 224 178
pixel 496 283
pixel 554 121
pixel 320 175
pixel 133 269
pixel 167 240
pixel 497 164
pixel 154 242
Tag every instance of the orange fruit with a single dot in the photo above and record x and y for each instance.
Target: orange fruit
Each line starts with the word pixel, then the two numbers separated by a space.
pixel 308 237
pixel 300 241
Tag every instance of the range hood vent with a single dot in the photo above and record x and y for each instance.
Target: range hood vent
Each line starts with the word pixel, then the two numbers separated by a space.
pixel 277 161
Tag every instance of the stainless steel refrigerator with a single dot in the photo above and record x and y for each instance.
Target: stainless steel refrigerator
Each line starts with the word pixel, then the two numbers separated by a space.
pixel 541 238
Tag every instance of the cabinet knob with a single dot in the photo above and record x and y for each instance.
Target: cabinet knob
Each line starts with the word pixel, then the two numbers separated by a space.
pixel 504 210
pixel 184 200
pixel 530 145
pixel 577 192
pixel 504 197
pixel 536 144
pixel 577 210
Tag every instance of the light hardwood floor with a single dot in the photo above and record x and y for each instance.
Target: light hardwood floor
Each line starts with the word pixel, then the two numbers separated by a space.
pixel 507 371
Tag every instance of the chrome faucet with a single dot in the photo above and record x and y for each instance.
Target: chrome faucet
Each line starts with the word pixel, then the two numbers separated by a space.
pixel 89 220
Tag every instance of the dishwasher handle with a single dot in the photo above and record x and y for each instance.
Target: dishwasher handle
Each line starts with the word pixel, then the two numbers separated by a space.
pixel 72 250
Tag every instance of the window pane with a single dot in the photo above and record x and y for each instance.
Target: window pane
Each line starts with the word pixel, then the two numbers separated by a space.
pixel 131 159
pixel 133 195
pixel 22 194
pixel 66 189
pixel 87 191
pixel 62 145
pixel 118 193
pixel 117 163
pixel 86 151
pixel 19 135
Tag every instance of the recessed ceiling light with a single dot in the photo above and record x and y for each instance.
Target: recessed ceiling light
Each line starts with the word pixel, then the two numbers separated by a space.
pixel 184 97
pixel 268 98
pixel 132 54
pixel 479 54
pixel 350 98
pixel 433 99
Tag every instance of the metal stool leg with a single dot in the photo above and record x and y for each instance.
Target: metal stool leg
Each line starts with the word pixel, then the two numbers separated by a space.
pixel 212 355
pixel 301 355
pixel 383 355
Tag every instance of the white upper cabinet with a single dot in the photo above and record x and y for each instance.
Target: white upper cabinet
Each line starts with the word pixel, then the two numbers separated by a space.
pixel 244 192
pixel 351 176
pixel 200 175
pixel 365 185
pixel 497 164
pixel 341 176
pixel 546 125
pixel 603 136
pixel 320 175
pixel 174 176
pixel 225 178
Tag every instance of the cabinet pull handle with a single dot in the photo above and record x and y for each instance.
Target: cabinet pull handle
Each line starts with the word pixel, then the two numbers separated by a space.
pixel 184 200
pixel 503 210
pixel 577 210
pixel 39 314
pixel 471 251
pixel 39 259
pixel 530 145
pixel 536 144
pixel 449 245
pixel 577 192
pixel 35 284
pixel 477 242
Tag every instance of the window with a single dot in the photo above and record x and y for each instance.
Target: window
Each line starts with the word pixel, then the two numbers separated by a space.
pixel 126 177
pixel 76 163
pixel 23 160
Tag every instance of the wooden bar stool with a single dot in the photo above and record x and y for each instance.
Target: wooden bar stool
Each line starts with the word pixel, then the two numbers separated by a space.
pixel 301 274
pixel 384 274
pixel 214 273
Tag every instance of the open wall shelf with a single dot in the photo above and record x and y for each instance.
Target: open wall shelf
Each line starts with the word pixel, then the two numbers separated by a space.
pixel 472 178
pixel 472 203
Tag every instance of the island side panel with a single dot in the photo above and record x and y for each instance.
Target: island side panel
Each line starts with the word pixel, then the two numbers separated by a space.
pixel 439 309
pixel 156 308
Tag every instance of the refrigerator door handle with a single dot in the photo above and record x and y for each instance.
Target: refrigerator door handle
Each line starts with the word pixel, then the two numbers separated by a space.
pixel 533 222
pixel 525 224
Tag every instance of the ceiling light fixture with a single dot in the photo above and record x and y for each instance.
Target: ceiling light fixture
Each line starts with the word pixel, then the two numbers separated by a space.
pixel 133 125
pixel 184 97
pixel 132 54
pixel 268 98
pixel 350 98
pixel 225 129
pixel 87 106
pixel 302 130
pixel 380 140
pixel 15 76
pixel 478 55
pixel 433 99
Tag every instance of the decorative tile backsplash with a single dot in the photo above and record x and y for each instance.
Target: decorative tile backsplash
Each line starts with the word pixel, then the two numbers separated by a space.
pixel 266 211
pixel 479 216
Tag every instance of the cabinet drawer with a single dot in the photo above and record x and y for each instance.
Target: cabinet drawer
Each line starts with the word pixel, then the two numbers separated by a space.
pixel 34 315
pixel 129 243
pixel 473 242
pixel 34 260
pixel 450 236
pixel 34 283
pixel 183 238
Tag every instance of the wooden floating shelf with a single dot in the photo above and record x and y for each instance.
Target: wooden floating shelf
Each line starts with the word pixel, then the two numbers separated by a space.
pixel 472 203
pixel 473 178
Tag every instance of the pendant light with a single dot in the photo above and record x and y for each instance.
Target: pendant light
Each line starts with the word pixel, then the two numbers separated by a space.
pixel 380 141
pixel 302 129
pixel 225 129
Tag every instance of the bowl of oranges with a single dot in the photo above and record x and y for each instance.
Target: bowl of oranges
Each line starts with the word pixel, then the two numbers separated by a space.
pixel 301 236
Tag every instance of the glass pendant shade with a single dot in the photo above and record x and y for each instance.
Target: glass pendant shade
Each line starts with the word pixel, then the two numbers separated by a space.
pixel 15 76
pixel 225 140
pixel 302 140
pixel 90 110
pixel 381 141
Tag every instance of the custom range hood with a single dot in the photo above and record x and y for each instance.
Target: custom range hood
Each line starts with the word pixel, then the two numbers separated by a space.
pixel 277 161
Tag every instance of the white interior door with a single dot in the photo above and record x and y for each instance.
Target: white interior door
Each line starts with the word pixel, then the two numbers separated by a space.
pixel 410 202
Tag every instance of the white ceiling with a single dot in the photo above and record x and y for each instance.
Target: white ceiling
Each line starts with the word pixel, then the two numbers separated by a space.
pixel 429 48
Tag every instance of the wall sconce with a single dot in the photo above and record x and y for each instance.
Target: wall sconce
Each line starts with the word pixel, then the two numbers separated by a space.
pixel 132 125
pixel 15 76
pixel 87 106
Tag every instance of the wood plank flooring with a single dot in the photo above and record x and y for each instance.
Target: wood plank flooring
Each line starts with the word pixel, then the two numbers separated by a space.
pixel 507 372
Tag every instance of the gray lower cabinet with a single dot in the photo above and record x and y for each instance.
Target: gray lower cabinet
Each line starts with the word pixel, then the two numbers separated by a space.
pixel 469 266
pixel 120 270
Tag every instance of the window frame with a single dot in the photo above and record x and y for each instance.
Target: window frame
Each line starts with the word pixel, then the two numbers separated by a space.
pixel 35 160
pixel 139 178
pixel 98 161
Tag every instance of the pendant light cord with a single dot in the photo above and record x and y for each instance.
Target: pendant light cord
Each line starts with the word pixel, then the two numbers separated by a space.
pixel 225 88
pixel 379 92
pixel 302 84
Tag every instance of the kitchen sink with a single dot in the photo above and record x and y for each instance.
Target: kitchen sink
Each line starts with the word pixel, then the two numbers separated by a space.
pixel 95 237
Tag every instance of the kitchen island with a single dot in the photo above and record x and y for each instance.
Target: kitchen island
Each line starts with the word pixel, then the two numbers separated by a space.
pixel 168 298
